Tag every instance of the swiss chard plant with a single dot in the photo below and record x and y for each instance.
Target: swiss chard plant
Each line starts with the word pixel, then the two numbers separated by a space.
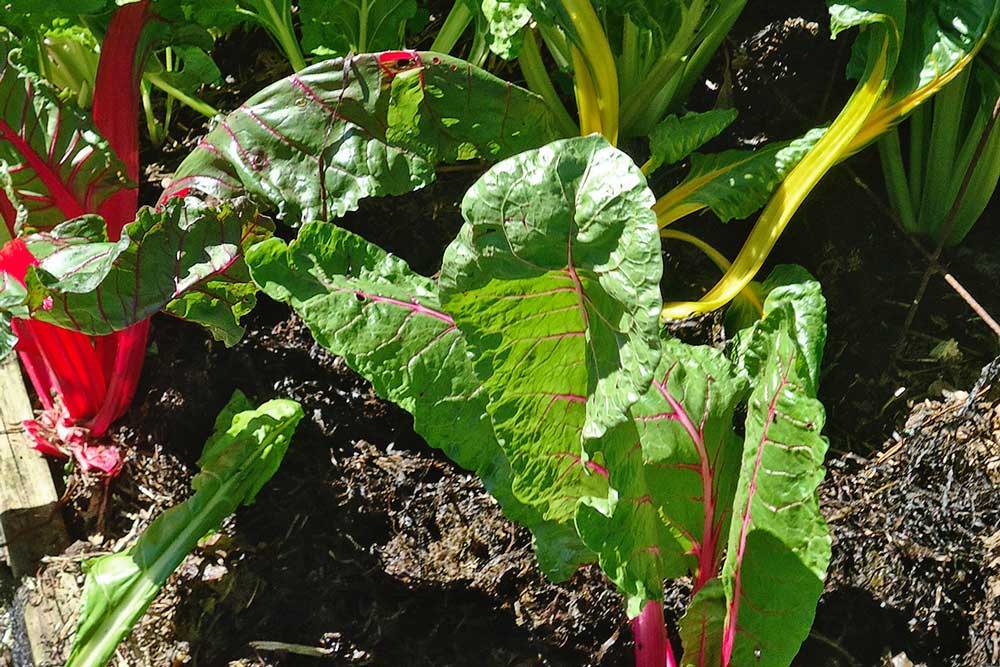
pixel 537 360
pixel 238 460
pixel 906 52
pixel 57 164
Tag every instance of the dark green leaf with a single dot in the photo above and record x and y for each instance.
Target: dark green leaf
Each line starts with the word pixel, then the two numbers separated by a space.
pixel 314 144
pixel 87 283
pixel 677 137
pixel 792 299
pixel 734 184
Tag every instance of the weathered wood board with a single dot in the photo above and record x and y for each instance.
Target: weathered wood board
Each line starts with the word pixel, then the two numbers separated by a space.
pixel 30 523
pixel 31 527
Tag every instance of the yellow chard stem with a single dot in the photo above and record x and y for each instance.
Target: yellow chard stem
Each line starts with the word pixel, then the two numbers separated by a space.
pixel 717 258
pixel 586 96
pixel 671 207
pixel 887 115
pixel 828 151
pixel 596 75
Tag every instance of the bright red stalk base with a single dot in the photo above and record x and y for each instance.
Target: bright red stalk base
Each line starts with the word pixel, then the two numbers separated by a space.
pixel 85 383
pixel 649 630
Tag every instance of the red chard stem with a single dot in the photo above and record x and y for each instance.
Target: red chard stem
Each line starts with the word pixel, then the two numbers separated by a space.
pixel 649 630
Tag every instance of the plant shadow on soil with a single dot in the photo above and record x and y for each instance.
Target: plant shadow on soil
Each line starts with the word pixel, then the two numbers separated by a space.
pixel 367 547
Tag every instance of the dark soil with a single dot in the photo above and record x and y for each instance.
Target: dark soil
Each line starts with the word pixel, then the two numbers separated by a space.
pixel 368 547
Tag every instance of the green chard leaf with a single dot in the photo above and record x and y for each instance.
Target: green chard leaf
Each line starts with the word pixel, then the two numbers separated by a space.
pixel 554 281
pixel 791 289
pixel 761 608
pixel 736 183
pixel 685 421
pixel 386 322
pixel 196 68
pixel 338 27
pixel 676 137
pixel 242 455
pixel 506 19
pixel 679 447
pixel 316 143
pixel 56 165
pixel 187 261
pixel 636 549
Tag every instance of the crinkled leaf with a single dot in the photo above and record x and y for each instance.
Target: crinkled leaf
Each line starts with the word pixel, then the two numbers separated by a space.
pixel 635 548
pixel 218 304
pixel 685 421
pixel 337 27
pixel 778 525
pixel 778 543
pixel 789 288
pixel 679 448
pixel 385 321
pixel 677 137
pixel 58 166
pixel 736 183
pixel 939 34
pixel 314 144
pixel 506 19
pixel 87 283
pixel 554 280
pixel 242 455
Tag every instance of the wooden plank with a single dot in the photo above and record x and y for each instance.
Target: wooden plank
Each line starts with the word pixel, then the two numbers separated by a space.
pixel 31 525
pixel 44 617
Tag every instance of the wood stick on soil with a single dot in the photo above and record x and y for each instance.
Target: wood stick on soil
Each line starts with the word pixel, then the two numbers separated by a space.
pixel 949 225
pixel 949 277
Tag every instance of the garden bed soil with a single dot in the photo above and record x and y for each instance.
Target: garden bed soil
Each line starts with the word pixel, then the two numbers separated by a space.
pixel 369 548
